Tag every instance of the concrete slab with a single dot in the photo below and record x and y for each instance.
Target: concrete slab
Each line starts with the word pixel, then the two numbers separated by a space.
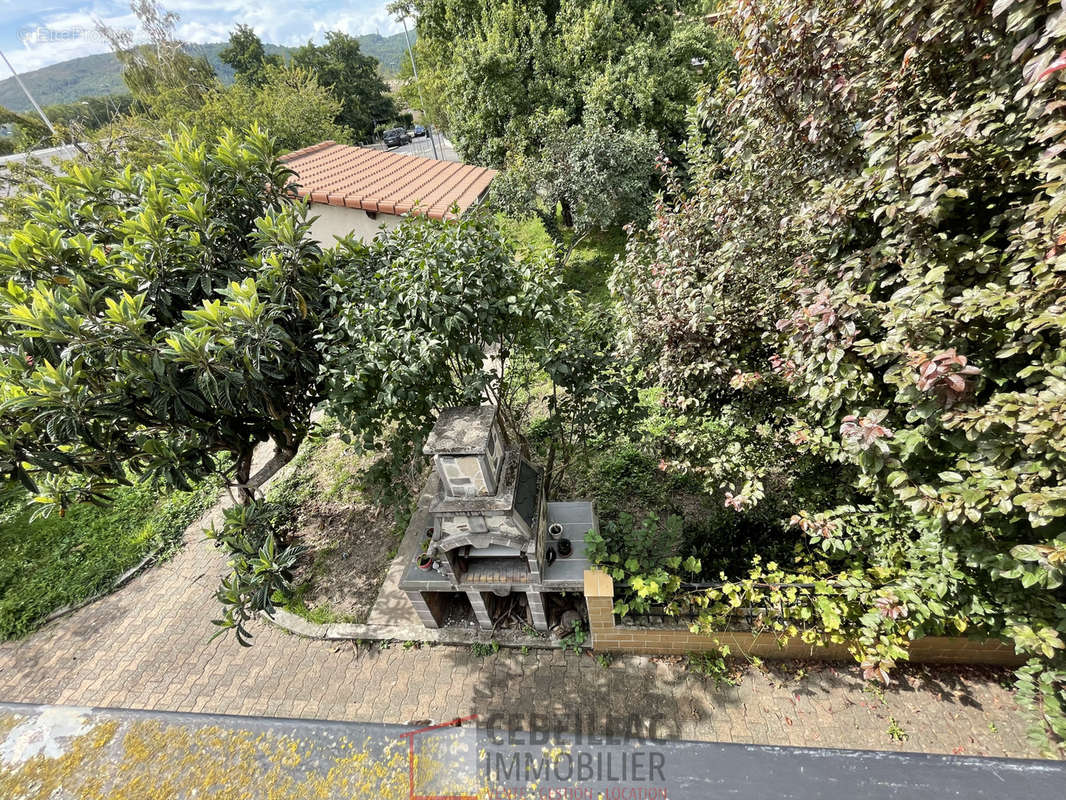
pixel 577 518
pixel 392 608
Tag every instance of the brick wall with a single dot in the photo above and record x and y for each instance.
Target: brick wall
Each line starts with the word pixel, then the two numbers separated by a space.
pixel 607 636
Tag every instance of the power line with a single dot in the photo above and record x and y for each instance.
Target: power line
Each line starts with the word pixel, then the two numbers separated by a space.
pixel 40 111
pixel 421 99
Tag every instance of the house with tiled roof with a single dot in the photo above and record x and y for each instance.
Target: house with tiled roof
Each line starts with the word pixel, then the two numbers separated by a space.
pixel 358 190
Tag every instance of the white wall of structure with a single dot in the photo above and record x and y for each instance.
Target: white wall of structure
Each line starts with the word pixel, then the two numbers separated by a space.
pixel 336 222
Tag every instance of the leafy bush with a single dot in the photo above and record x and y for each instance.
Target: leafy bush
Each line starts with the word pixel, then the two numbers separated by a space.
pixel 869 264
pixel 712 665
pixel 261 564
pixel 414 313
pixel 602 179
pixel 484 649
pixel 152 322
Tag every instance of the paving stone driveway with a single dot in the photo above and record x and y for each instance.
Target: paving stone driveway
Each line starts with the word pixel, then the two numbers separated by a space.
pixel 146 647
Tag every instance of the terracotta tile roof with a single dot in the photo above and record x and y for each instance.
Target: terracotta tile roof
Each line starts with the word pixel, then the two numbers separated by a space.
pixel 392 183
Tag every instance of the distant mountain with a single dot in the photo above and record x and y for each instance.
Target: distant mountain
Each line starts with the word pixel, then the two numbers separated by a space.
pixel 390 51
pixel 95 76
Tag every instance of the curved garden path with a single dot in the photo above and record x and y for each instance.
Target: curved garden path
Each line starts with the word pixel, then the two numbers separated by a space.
pixel 146 646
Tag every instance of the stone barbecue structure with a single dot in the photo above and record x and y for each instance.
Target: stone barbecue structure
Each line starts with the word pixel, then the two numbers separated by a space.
pixel 494 533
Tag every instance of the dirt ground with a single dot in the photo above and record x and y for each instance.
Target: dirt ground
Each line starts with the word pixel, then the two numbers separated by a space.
pixel 352 535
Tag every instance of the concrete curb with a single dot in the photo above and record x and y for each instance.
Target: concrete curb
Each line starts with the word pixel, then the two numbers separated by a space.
pixel 346 632
pixel 117 584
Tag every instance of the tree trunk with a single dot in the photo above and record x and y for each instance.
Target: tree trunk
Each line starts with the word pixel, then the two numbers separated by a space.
pixel 245 492
pixel 548 469
pixel 568 214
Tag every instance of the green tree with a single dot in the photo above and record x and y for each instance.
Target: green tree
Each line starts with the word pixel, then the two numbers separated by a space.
pixel 502 76
pixel 161 74
pixel 600 177
pixel 246 55
pixel 24 124
pixel 290 104
pixel 417 309
pixel 353 78
pixel 158 325
pixel 90 113
pixel 440 313
pixel 154 321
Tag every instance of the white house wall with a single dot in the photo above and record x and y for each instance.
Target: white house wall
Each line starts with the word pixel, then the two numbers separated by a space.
pixel 336 222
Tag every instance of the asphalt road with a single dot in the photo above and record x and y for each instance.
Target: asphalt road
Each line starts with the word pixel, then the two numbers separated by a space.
pixel 422 147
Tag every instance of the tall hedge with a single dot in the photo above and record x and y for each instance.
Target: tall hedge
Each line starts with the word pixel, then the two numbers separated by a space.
pixel 871 259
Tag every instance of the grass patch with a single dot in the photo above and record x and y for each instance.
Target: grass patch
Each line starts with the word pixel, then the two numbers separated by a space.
pixel 51 562
pixel 321 614
pixel 590 263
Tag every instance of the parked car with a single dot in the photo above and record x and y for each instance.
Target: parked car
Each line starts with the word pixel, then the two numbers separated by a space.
pixel 420 130
pixel 394 137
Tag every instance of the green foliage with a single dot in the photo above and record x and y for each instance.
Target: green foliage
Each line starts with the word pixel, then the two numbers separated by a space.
pixel 713 665
pixel 67 82
pixel 244 52
pixel 288 102
pixel 332 91
pixel 500 76
pixel 601 177
pixel 151 321
pixel 353 79
pixel 576 638
pixel 26 125
pixel 590 262
pixel 415 311
pixel 647 544
pixel 47 563
pixel 260 566
pixel 868 264
pixel 895 732
pixel 97 76
pixel 643 558
pixel 88 114
pixel 1041 692
pixel 390 51
pixel 593 386
pixel 484 649
pixel 161 74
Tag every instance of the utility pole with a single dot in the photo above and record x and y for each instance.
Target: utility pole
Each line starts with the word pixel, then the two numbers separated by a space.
pixel 40 111
pixel 29 96
pixel 421 99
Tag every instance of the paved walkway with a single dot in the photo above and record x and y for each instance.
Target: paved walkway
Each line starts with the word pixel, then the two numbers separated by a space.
pixel 392 606
pixel 147 647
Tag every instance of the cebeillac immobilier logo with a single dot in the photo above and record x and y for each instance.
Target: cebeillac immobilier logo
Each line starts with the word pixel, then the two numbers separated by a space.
pixel 504 757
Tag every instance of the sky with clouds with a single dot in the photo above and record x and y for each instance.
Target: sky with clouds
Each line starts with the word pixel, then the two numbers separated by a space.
pixel 33 35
